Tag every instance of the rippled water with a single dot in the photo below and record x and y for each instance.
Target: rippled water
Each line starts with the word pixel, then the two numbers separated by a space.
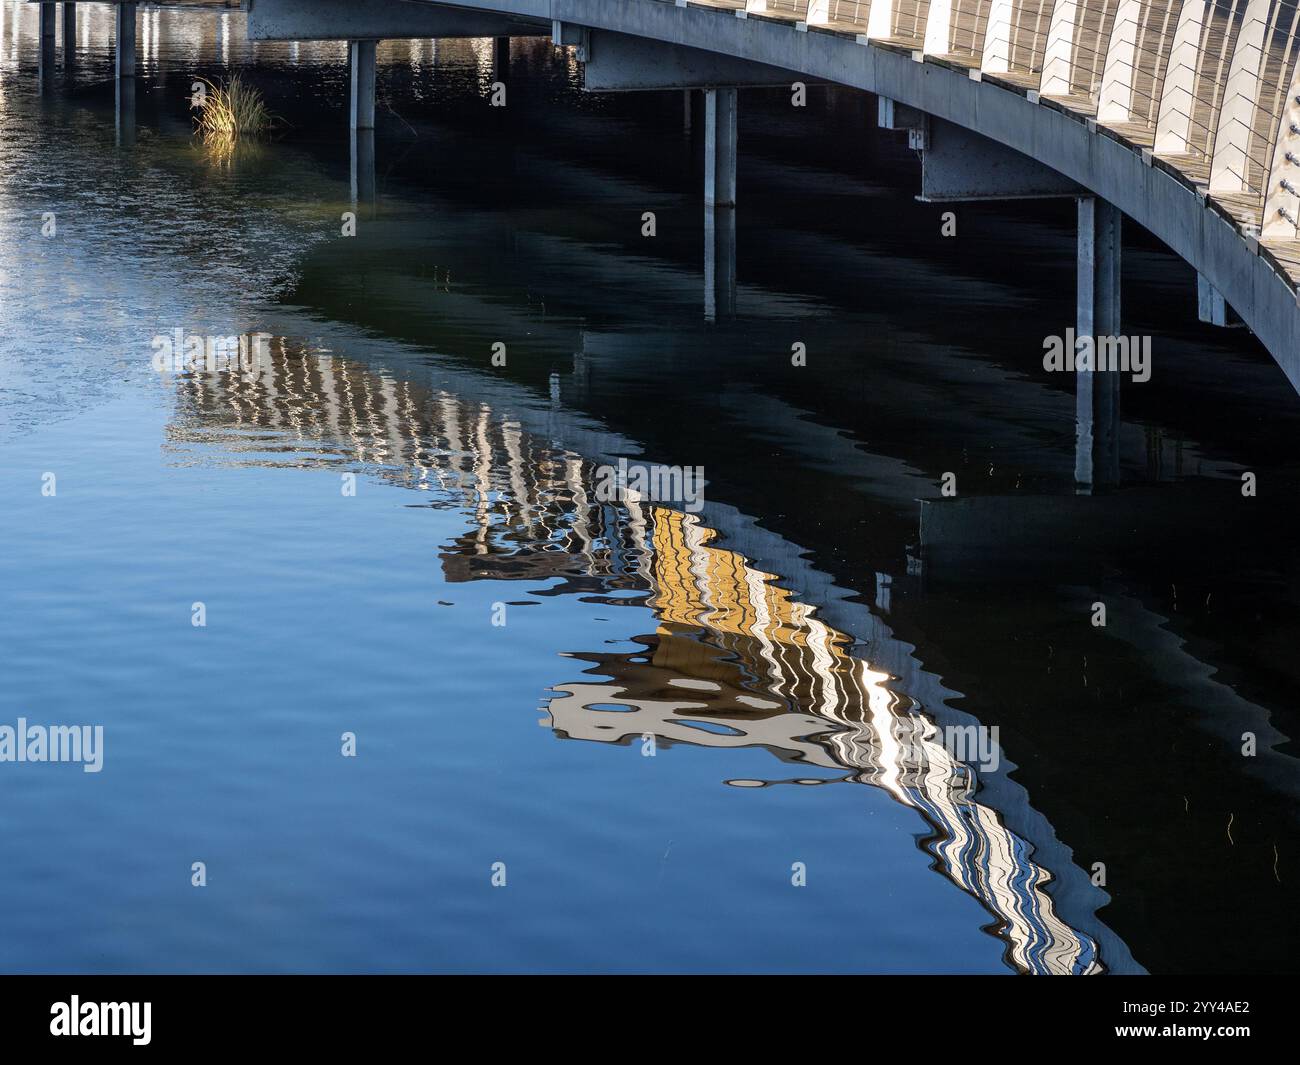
pixel 686 710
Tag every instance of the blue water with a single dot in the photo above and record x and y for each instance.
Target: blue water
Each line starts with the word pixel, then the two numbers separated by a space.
pixel 324 615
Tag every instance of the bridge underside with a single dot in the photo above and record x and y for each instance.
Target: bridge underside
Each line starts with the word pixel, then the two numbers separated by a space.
pixel 1182 114
pixel 342 20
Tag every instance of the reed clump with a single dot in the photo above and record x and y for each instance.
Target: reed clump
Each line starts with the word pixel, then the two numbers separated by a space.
pixel 233 110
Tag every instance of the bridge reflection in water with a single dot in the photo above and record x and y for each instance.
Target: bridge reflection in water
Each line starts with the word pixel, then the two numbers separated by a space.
pixel 735 660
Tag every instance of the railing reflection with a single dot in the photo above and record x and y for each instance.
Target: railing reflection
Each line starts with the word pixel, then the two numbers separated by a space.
pixel 735 659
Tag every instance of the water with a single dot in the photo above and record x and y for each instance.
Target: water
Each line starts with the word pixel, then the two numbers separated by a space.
pixel 800 655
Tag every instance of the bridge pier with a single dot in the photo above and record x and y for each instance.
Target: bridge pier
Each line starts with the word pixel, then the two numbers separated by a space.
pixel 124 63
pixel 1212 308
pixel 500 58
pixel 45 60
pixel 1097 421
pixel 959 166
pixel 720 135
pixel 361 55
pixel 720 114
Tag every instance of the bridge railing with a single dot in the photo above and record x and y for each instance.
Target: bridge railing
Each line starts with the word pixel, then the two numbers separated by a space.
pixel 1209 85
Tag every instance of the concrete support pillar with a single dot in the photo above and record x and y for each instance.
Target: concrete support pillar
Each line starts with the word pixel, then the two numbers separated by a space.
pixel 720 114
pixel 1212 308
pixel 720 147
pixel 1210 305
pixel 125 19
pixel 686 111
pixel 1097 422
pixel 362 57
pixel 45 56
pixel 719 263
pixel 501 58
pixel 69 29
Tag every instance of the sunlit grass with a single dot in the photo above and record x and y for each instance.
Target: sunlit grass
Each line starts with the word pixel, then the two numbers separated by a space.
pixel 233 110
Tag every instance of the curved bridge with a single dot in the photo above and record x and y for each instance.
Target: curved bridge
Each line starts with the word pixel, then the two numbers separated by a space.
pixel 1183 114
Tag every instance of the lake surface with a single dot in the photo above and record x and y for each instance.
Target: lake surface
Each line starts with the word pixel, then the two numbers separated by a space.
pixel 370 638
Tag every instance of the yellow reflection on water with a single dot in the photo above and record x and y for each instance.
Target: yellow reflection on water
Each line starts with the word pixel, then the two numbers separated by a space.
pixel 736 660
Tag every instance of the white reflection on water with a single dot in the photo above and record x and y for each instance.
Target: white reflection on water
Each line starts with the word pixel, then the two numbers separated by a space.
pixel 763 670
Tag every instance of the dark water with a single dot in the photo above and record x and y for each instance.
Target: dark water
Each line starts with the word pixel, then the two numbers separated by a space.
pixel 732 699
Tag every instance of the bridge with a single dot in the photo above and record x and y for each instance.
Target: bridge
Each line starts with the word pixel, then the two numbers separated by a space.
pixel 1183 115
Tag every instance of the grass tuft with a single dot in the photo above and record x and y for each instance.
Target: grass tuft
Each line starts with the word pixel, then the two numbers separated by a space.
pixel 233 110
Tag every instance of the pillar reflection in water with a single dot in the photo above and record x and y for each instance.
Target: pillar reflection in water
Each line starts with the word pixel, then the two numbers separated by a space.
pixel 124 102
pixel 719 262
pixel 1097 423
pixel 363 167
pixel 720 140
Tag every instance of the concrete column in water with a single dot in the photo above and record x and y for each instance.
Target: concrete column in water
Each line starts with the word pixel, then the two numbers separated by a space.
pixel 362 57
pixel 1096 457
pixel 125 25
pixel 45 60
pixel 501 58
pixel 720 147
